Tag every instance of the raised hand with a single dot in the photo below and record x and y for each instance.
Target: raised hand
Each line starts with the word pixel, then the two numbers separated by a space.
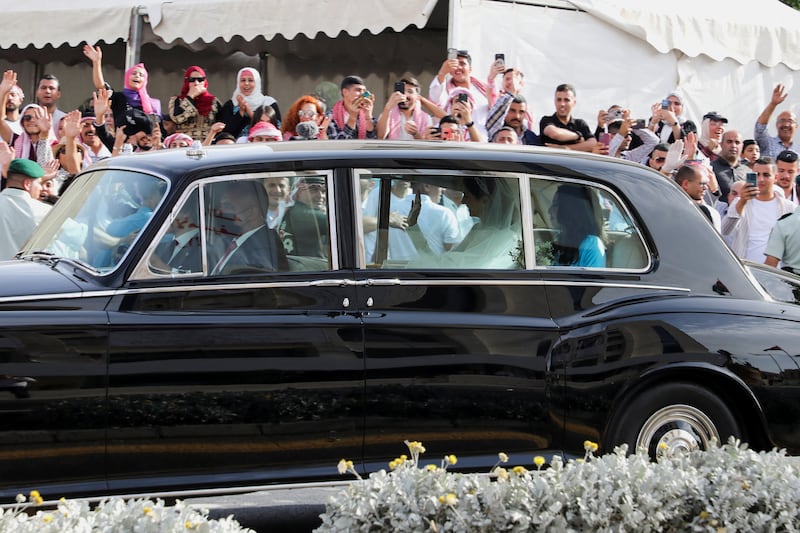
pixel 93 53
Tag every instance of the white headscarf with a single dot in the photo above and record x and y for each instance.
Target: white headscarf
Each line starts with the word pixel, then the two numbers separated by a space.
pixel 256 98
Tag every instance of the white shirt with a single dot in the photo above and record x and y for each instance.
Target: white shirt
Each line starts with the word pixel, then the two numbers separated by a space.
pixel 401 247
pixel 480 112
pixel 437 223
pixel 765 215
pixel 19 216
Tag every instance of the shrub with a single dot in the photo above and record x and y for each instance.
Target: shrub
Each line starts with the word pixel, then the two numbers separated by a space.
pixel 724 489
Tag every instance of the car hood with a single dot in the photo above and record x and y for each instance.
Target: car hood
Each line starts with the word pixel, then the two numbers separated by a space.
pixel 33 278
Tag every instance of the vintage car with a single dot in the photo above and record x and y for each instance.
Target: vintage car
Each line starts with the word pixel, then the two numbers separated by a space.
pixel 169 328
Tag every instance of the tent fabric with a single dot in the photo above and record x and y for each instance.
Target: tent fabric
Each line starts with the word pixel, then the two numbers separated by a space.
pixel 609 65
pixel 55 22
pixel 764 31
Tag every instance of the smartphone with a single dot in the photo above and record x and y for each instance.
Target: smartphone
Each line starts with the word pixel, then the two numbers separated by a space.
pixel 605 138
pixel 435 130
pixel 752 179
pixel 500 59
pixel 462 97
pixel 452 53
pixel 366 94
pixel 664 104
pixel 639 124
pixel 400 87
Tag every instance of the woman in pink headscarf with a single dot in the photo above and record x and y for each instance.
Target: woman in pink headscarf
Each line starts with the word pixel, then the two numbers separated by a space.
pixel 195 109
pixel 133 101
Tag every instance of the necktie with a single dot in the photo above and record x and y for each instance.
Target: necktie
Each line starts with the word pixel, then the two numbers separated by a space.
pixel 222 260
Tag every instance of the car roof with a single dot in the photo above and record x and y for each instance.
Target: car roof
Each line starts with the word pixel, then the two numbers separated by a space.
pixel 172 162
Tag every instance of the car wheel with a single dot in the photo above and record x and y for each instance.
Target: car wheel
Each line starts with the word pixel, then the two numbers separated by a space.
pixel 674 417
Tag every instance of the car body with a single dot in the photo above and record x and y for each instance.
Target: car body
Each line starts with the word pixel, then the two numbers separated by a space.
pixel 126 371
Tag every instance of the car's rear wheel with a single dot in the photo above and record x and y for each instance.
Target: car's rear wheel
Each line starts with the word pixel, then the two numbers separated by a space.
pixel 673 417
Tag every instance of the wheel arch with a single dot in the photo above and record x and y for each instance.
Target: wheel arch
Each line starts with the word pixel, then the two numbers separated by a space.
pixel 720 381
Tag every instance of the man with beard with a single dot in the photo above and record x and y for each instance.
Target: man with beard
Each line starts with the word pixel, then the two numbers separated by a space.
pixel 13 106
pixel 88 136
pixel 48 92
pixel 728 167
pixel 403 117
pixel 694 182
pixel 516 118
pixel 786 124
pixel 561 129
pixel 712 128
pixel 787 169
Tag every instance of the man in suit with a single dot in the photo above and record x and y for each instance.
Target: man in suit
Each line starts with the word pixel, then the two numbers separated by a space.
pixel 257 248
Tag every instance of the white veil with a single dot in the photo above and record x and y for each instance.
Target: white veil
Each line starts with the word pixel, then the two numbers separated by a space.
pixel 492 243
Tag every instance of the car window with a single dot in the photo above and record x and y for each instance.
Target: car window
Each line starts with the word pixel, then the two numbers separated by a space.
pixel 583 226
pixel 104 213
pixel 247 224
pixel 434 221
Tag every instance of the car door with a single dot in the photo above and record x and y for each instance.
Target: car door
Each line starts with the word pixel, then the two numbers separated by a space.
pixel 236 375
pixel 457 331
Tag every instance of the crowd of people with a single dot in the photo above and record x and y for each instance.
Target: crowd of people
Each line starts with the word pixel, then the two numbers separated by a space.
pixel 745 184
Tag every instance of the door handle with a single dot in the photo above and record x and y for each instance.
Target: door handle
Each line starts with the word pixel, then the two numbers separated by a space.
pixel 333 283
pixel 379 282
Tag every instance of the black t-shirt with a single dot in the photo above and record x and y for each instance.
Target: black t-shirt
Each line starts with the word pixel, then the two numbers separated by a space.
pixel 575 124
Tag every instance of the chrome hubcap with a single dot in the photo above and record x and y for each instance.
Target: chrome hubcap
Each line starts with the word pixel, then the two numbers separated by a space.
pixel 676 428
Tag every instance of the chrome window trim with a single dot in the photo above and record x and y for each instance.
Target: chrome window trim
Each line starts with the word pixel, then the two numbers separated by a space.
pixel 143 273
pixel 345 282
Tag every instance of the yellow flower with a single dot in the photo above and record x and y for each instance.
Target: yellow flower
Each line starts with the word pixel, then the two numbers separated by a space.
pixel 148 511
pixel 393 464
pixel 590 446
pixel 503 457
pixel 415 447
pixel 663 446
pixel 519 470
pixel 745 486
pixel 450 459
pixel 344 465
pixel 47 518
pixel 538 461
pixel 449 499
pixel 502 473
pixel 36 498
pixel 430 468
pixel 190 525
pixel 703 515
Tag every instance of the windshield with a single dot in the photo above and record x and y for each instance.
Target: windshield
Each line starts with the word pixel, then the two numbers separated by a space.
pixel 99 217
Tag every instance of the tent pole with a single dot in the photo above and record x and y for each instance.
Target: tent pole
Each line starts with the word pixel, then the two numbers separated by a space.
pixel 133 47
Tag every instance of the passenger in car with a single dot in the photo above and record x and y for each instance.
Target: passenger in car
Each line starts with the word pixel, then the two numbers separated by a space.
pixel 304 228
pixel 491 243
pixel 181 251
pixel 581 240
pixel 257 248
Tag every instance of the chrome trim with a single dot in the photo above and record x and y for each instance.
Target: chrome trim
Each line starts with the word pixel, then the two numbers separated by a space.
pixel 526 215
pixel 370 282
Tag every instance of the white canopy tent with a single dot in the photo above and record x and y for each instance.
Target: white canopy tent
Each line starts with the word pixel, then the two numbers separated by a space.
pixel 722 55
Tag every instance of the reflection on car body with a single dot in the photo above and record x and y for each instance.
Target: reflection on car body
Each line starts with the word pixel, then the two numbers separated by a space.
pixel 423 291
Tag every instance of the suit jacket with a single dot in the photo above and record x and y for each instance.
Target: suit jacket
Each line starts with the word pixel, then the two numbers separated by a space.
pixel 262 251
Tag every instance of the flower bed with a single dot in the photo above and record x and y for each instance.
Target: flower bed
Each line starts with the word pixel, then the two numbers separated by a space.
pixel 112 515
pixel 724 489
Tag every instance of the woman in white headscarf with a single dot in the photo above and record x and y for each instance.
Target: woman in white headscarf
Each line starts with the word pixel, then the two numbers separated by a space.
pixel 237 112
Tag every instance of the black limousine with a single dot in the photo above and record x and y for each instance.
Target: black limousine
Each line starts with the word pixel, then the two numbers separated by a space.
pixel 250 314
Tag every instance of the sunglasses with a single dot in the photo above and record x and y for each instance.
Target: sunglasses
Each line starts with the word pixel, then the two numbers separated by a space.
pixel 26 118
pixel 201 79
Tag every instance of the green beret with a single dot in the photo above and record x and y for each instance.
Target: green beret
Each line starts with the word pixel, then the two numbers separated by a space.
pixel 25 167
